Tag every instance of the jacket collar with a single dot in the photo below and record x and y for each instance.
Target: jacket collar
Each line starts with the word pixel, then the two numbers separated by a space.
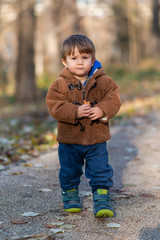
pixel 71 79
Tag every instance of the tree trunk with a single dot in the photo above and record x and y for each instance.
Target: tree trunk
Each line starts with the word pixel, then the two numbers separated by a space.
pixel 133 46
pixel 67 20
pixel 156 9
pixel 156 28
pixel 25 68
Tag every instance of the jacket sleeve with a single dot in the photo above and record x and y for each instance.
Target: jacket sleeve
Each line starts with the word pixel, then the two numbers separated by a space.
pixel 58 105
pixel 110 103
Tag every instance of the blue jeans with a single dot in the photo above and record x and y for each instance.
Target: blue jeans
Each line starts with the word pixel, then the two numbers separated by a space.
pixel 97 169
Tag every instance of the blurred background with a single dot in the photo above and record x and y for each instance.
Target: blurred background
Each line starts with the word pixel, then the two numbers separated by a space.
pixel 126 35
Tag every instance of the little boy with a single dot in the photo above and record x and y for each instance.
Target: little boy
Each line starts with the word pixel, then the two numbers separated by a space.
pixel 83 100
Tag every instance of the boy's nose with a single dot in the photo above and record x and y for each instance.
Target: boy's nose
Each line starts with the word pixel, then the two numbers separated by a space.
pixel 80 61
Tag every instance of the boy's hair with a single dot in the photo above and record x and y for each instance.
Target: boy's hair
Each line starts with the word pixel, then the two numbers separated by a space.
pixel 83 43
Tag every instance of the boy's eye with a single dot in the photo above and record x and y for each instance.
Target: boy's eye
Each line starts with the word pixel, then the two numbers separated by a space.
pixel 85 57
pixel 73 58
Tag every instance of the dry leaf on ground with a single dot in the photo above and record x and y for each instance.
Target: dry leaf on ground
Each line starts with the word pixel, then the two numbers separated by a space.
pixel 45 190
pixel 30 214
pixel 113 225
pixel 19 220
pixel 57 230
pixel 68 226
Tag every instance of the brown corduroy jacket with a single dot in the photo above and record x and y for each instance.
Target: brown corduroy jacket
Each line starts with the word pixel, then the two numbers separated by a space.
pixel 67 93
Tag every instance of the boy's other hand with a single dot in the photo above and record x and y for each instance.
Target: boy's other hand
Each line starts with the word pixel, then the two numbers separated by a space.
pixel 95 113
pixel 83 111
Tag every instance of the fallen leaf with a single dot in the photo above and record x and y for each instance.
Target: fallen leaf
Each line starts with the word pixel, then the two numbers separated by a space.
pixel 147 195
pixel 1 225
pixel 61 218
pixel 113 225
pixel 74 217
pixel 19 220
pixel 16 173
pixel 45 190
pixel 50 137
pixel 57 223
pixel 130 184
pixel 123 196
pixel 39 165
pixel 57 230
pixel 41 236
pixel 86 193
pixel 34 153
pixel 136 159
pixel 27 164
pixel 1 167
pixel 155 188
pixel 4 160
pixel 25 157
pixel 68 226
pixel 54 224
pixel 30 214
pixel 48 226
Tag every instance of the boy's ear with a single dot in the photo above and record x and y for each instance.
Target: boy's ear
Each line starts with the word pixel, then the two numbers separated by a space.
pixel 64 62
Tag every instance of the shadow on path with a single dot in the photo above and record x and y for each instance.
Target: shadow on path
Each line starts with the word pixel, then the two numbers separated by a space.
pixel 121 151
pixel 150 233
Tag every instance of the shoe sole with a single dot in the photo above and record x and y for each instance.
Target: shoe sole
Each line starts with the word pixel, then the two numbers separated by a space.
pixel 104 213
pixel 73 210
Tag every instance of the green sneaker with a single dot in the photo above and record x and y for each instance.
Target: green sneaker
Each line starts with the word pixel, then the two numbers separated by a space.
pixel 102 207
pixel 71 201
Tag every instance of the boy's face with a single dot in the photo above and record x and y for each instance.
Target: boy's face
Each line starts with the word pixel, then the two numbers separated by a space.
pixel 79 64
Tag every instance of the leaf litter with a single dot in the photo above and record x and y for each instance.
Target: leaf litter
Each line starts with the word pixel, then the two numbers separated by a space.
pixel 27 135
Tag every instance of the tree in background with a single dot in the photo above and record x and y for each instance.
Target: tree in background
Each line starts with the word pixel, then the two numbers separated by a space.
pixel 25 67
pixel 67 20
pixel 121 21
pixel 156 26
pixel 156 11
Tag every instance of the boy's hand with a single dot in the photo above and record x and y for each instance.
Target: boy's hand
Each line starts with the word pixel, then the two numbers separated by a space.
pixel 95 113
pixel 83 111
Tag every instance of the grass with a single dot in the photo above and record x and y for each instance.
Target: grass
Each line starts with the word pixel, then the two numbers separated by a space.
pixel 139 89
pixel 136 84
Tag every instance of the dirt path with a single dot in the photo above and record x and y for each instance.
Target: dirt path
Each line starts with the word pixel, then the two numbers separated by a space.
pixel 135 156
